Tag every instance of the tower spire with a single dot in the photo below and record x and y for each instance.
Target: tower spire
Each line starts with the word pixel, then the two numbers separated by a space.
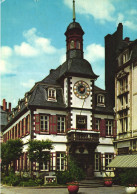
pixel 74 17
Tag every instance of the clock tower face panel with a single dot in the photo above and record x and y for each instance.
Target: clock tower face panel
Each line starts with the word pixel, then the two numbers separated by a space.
pixel 81 89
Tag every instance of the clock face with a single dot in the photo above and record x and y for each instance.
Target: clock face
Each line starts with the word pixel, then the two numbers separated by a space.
pixel 81 89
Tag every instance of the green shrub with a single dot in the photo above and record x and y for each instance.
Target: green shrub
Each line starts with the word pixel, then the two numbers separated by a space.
pixel 39 181
pixel 12 179
pixel 74 173
pixel 29 183
pixel 63 177
pixel 126 177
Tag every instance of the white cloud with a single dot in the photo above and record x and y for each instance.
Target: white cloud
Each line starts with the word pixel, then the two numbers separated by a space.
pixel 41 44
pixel 120 18
pixel 25 50
pixel 45 45
pixel 94 52
pixel 2 66
pixel 130 24
pixel 36 51
pixel 30 83
pixel 5 52
pixel 62 59
pixel 101 10
pixel 132 12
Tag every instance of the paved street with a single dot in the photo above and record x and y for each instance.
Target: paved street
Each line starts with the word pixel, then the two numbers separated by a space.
pixel 99 190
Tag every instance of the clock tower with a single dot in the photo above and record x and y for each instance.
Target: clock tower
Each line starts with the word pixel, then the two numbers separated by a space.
pixel 78 78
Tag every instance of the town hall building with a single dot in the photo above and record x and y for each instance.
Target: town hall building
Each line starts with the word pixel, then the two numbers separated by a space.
pixel 67 108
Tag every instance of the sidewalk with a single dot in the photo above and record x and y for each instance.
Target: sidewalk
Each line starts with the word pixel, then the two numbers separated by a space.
pixel 57 190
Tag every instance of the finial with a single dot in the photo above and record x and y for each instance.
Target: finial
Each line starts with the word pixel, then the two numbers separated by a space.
pixel 74 11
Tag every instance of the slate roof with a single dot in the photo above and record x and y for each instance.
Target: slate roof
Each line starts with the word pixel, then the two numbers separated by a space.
pixel 77 66
pixel 108 109
pixel 74 25
pixel 3 115
pixel 39 97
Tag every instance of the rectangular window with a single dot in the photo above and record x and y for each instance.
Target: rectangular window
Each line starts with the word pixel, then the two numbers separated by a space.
pixel 97 124
pixel 109 127
pixel 60 124
pixel 60 161
pixel 44 166
pixel 44 123
pixel 108 159
pixel 124 121
pixel 97 162
pixel 52 94
pixel 81 122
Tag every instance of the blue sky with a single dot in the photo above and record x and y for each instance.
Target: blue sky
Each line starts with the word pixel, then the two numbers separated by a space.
pixel 33 40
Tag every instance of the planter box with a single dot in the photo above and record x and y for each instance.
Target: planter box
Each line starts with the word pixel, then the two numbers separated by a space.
pixel 50 179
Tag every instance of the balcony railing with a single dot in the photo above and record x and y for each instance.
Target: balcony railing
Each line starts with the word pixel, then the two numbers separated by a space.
pixel 78 135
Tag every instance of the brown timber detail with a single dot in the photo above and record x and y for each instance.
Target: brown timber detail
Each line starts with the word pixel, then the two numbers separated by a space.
pixel 82 137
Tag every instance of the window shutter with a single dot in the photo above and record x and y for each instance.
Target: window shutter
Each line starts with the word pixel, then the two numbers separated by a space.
pixel 102 128
pixel 93 122
pixel 114 128
pixel 17 131
pixel 14 133
pixel 37 123
pixel 28 123
pixel 53 124
pixel 24 126
pixel 20 128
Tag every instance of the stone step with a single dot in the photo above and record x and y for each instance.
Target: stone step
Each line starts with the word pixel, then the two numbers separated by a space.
pixel 91 183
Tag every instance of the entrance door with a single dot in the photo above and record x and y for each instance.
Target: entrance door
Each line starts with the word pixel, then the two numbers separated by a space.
pixel 86 163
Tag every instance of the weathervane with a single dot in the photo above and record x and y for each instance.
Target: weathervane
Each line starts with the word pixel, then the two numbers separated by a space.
pixel 74 17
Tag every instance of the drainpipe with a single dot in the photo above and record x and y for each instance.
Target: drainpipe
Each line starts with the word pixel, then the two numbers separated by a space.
pixel 132 85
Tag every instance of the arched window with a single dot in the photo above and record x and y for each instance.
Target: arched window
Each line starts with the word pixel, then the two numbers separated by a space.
pixel 77 44
pixel 72 44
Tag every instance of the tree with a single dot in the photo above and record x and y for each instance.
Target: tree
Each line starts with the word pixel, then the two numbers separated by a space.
pixel 11 151
pixel 37 151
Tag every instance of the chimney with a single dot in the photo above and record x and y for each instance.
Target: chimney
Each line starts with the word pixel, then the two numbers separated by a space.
pixel 51 70
pixel 9 106
pixel 4 105
pixel 127 39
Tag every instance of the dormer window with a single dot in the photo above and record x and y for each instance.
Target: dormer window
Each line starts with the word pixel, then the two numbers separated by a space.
pixel 51 94
pixel 100 100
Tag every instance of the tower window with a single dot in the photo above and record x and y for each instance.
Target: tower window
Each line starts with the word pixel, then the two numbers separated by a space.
pixel 72 44
pixel 77 44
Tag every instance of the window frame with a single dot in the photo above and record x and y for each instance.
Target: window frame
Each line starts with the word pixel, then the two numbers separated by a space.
pixel 81 116
pixel 98 163
pixel 47 120
pixel 60 159
pixel 97 124
pixel 108 159
pixel 52 94
pixel 59 130
pixel 109 132
pixel 100 100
